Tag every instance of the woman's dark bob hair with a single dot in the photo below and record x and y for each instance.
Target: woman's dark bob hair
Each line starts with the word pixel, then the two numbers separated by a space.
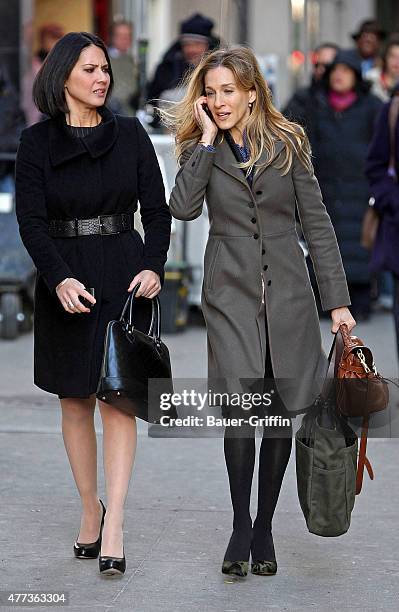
pixel 48 87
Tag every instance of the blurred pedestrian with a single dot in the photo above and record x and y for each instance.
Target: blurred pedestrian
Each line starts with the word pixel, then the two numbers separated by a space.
pixel 125 96
pixel 12 122
pixel 368 38
pixel 300 105
pixel 382 171
pixel 180 59
pixel 386 78
pixel 253 166
pixel 340 126
pixel 79 176
pixel 49 34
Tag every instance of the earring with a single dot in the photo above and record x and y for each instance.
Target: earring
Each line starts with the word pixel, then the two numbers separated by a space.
pixel 250 105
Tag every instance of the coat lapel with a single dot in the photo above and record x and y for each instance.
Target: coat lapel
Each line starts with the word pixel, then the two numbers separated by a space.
pixel 63 146
pixel 225 160
pixel 278 147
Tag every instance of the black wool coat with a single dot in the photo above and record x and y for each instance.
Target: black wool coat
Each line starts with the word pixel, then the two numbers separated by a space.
pixel 339 143
pixel 385 189
pixel 59 176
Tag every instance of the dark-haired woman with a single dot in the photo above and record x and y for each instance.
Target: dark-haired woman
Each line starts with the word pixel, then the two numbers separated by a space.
pixel 79 176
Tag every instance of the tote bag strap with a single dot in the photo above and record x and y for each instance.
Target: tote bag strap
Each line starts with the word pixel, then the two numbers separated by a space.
pixel 329 378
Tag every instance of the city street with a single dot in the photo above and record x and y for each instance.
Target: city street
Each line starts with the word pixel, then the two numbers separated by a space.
pixel 178 513
pixel 201 145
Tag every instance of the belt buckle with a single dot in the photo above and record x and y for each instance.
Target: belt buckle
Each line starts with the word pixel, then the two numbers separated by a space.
pixel 76 226
pixel 100 224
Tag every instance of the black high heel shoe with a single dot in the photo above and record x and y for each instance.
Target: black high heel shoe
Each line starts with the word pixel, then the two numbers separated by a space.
pixel 110 566
pixel 240 567
pixel 263 567
pixel 91 550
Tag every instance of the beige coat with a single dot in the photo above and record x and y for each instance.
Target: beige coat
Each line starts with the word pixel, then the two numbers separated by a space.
pixel 253 238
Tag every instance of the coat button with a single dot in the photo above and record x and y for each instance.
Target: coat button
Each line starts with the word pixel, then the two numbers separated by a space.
pixel 269 282
pixel 253 220
pixel 259 192
pixel 251 204
pixel 256 236
pixel 265 267
pixel 263 251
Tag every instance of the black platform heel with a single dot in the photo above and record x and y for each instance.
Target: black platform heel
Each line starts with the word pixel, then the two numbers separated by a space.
pixel 91 550
pixel 110 566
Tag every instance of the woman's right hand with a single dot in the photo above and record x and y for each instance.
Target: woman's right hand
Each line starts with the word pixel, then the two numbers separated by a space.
pixel 68 293
pixel 206 124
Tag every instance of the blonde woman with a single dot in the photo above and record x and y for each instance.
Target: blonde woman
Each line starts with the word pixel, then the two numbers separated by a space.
pixel 254 168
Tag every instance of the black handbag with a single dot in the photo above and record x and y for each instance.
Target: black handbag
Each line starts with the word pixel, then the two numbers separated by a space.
pixel 326 457
pixel 136 367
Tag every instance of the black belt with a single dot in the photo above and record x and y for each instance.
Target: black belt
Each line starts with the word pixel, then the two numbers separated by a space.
pixel 103 224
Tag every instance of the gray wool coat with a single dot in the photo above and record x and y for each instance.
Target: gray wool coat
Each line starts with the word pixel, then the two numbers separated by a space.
pixel 255 273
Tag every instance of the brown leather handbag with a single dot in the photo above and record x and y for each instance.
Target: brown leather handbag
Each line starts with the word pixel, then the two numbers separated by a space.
pixel 360 390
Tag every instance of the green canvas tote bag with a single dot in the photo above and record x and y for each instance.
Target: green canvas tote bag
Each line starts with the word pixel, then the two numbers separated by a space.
pixel 326 459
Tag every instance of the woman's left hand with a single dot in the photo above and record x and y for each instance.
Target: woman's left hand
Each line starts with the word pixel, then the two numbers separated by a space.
pixel 150 284
pixel 340 316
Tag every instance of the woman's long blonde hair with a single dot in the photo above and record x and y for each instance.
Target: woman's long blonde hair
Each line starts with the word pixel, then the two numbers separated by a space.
pixel 265 124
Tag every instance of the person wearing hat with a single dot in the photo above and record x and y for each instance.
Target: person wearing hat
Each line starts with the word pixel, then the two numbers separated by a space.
pixel 368 41
pixel 339 125
pixel 185 53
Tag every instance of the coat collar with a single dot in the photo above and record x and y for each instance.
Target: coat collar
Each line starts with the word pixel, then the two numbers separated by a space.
pixel 63 146
pixel 225 160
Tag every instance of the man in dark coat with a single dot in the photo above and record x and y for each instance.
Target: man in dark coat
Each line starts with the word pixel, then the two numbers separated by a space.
pixel 382 172
pixel 340 126
pixel 368 39
pixel 184 54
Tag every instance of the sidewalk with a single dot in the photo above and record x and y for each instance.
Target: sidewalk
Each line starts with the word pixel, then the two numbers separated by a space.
pixel 178 514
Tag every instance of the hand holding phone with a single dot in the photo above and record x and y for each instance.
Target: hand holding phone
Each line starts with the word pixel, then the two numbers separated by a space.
pixel 204 119
pixel 74 297
pixel 208 112
pixel 84 300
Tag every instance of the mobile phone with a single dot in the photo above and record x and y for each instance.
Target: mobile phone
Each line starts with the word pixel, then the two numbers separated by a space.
pixel 84 300
pixel 208 112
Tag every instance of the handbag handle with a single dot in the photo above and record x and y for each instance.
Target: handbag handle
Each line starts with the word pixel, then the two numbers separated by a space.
pixel 155 324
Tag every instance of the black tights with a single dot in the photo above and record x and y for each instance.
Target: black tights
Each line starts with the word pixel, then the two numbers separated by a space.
pixel 239 451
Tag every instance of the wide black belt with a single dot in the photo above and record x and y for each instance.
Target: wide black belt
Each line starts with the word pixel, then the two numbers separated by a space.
pixel 103 224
